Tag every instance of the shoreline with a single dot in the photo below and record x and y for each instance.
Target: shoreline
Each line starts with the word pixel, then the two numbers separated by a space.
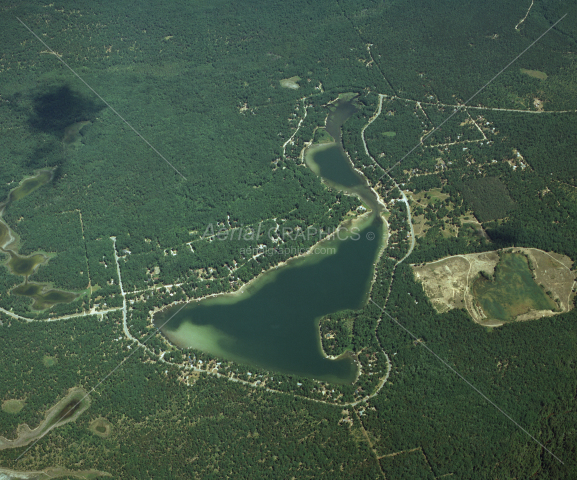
pixel 241 290
pixel 311 149
pixel 377 207
pixel 11 246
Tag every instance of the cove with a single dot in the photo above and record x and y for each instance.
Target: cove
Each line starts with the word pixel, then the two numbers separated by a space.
pixel 321 160
pixel 273 322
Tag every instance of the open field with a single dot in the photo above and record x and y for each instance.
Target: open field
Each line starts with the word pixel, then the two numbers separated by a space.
pixel 13 406
pixel 449 283
pixel 553 271
pixel 291 83
pixel 101 427
pixel 512 292
pixel 535 74
pixel 51 472
pixel 428 196
pixel 49 361
pixel 419 225
pixel 434 199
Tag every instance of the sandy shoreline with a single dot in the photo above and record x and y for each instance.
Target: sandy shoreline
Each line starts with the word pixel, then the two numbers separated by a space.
pixel 346 224
pixel 329 238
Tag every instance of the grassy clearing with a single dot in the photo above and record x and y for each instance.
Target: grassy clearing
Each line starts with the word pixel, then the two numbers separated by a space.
pixel 513 292
pixel 101 427
pixel 13 406
pixel 53 472
pixel 290 82
pixel 535 74
pixel 72 135
pixel 553 272
pixel 345 97
pixel 427 197
pixel 49 361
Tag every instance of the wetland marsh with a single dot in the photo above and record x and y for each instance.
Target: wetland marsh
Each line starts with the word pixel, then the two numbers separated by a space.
pixel 25 265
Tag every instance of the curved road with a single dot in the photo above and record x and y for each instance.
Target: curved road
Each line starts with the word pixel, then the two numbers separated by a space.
pixel 403 196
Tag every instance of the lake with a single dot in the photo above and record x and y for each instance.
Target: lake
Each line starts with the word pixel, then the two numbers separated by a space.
pixel 273 322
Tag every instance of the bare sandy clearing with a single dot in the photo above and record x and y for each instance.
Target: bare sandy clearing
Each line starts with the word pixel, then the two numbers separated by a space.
pixel 290 82
pixel 447 282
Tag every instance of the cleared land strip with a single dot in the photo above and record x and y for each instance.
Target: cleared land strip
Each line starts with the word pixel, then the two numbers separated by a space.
pixel 368 439
pixel 467 107
pixel 297 129
pixel 398 453
pixel 51 472
pixel 526 15
pixel 63 317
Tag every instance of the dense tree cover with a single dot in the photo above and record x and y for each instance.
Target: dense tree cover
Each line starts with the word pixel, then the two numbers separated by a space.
pixel 423 182
pixel 417 396
pixel 546 142
pixel 407 465
pixel 68 270
pixel 201 83
pixel 488 198
pixel 337 332
pixel 474 41
pixel 408 124
pixel 507 176
pixel 544 213
pixel 460 128
pixel 521 367
pixel 245 434
pixel 119 185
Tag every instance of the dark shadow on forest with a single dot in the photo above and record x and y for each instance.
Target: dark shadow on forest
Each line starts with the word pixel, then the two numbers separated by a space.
pixel 47 153
pixel 503 236
pixel 53 110
pixel 59 107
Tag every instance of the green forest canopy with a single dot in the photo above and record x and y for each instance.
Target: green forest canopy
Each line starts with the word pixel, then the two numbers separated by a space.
pixel 201 82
